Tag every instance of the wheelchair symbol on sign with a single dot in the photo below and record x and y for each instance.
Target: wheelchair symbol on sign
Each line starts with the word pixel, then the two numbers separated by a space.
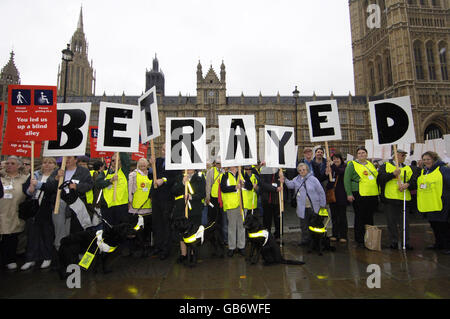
pixel 43 99
pixel 20 98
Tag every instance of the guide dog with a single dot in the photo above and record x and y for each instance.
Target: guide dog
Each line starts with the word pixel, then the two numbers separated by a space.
pixel 106 240
pixel 319 240
pixel 263 243
pixel 194 235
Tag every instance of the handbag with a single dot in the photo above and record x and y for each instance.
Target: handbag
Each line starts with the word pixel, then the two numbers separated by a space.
pixel 372 238
pixel 29 207
pixel 330 194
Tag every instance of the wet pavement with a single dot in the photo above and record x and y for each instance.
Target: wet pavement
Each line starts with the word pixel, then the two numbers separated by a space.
pixel 343 274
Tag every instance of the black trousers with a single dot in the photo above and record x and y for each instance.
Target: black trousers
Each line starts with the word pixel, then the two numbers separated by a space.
pixel 8 247
pixel 40 237
pixel 271 212
pixel 115 215
pixel 364 207
pixel 216 214
pixel 161 226
pixel 441 232
pixel 339 220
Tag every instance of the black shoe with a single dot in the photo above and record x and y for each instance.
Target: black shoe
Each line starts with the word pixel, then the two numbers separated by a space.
pixel 156 251
pixel 303 243
pixel 163 256
pixel 181 259
pixel 433 247
pixel 446 252
pixel 408 247
pixel 393 246
pixel 230 253
pixel 241 252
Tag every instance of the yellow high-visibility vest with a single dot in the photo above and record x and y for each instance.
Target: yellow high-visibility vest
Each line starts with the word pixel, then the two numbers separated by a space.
pixel 429 191
pixel 367 178
pixel 122 190
pixel 216 182
pixel 230 200
pixel 90 193
pixel 391 188
pixel 250 198
pixel 141 197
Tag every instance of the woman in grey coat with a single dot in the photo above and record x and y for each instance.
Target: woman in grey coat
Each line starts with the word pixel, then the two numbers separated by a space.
pixel 310 198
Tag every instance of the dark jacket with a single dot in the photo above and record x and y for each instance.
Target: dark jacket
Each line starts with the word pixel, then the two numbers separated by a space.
pixel 338 173
pixel 442 216
pixel 163 192
pixel 268 191
pixel 82 175
pixel 198 184
pixel 384 177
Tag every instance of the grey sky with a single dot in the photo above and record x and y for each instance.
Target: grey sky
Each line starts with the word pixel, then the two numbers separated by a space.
pixel 267 46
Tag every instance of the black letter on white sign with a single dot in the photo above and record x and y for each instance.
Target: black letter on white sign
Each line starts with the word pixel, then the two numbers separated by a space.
pixel 280 144
pixel 111 126
pixel 72 129
pixel 390 133
pixel 316 120
pixel 178 138
pixel 235 139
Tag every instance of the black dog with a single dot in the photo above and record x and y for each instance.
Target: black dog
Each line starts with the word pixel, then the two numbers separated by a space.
pixel 319 239
pixel 195 235
pixel 263 243
pixel 77 244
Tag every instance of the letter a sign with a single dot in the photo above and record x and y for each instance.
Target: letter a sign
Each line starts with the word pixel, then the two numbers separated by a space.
pixel 237 140
pixel 392 121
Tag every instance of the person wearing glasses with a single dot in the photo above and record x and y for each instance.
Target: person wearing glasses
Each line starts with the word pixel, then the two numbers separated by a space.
pixel 396 181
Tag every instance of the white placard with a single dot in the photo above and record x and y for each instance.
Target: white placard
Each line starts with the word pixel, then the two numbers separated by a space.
pixel 323 120
pixel 148 104
pixel 237 140
pixel 279 146
pixel 72 130
pixel 392 121
pixel 118 127
pixel 185 143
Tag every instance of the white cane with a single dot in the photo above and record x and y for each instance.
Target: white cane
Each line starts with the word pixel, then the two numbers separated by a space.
pixel 404 213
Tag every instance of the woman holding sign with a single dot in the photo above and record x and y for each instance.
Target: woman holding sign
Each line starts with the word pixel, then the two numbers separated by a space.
pixel 433 198
pixel 360 181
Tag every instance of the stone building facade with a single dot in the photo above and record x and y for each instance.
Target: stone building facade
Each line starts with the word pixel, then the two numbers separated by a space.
pixel 406 54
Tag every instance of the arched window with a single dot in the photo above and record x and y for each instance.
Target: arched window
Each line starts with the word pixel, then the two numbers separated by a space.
pixel 432 132
pixel 379 64
pixel 388 66
pixel 418 60
pixel 372 79
pixel 443 60
pixel 430 61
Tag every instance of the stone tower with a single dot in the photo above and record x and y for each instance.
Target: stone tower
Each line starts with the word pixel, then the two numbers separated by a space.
pixel 9 75
pixel 81 74
pixel 155 77
pixel 400 47
pixel 210 89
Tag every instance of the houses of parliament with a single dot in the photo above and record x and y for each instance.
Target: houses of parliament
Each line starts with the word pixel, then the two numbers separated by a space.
pixel 407 54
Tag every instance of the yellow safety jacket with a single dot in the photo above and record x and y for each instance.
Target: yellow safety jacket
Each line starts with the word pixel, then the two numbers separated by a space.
pixel 230 200
pixel 250 198
pixel 429 191
pixel 391 188
pixel 216 183
pixel 141 197
pixel 122 190
pixel 90 193
pixel 368 178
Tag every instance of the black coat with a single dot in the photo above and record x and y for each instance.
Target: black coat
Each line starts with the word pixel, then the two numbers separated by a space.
pixel 338 173
pixel 198 184
pixel 268 191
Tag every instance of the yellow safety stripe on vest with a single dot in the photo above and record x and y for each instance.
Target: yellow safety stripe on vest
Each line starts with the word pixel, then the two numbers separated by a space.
pixel 368 178
pixel 429 191
pixel 391 188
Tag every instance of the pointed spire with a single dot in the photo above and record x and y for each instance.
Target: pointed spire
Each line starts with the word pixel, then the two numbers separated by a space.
pixel 80 20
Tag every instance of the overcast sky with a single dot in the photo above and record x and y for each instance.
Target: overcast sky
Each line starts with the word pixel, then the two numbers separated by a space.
pixel 267 46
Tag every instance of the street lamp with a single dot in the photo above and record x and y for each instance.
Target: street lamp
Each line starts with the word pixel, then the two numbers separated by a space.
pixel 67 56
pixel 296 93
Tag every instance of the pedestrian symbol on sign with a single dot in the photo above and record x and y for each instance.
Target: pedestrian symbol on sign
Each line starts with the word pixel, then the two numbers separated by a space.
pixel 20 98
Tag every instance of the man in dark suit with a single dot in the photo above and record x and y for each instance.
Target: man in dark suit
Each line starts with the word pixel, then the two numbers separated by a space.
pixel 162 205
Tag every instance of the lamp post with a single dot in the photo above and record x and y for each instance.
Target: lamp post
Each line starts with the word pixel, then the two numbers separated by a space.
pixel 67 56
pixel 296 93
